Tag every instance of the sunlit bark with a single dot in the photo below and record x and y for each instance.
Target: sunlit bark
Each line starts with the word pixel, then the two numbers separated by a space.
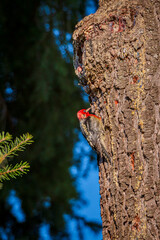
pixel 117 58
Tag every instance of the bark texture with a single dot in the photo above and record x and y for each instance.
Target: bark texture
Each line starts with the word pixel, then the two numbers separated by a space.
pixel 117 59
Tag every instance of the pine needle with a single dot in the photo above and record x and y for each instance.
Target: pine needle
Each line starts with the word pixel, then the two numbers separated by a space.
pixel 10 149
pixel 4 137
pixel 12 172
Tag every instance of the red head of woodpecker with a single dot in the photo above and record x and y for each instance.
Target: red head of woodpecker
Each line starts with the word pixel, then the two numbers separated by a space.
pixel 93 130
pixel 83 113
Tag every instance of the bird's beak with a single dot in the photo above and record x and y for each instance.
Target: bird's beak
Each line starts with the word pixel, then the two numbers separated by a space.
pixel 88 109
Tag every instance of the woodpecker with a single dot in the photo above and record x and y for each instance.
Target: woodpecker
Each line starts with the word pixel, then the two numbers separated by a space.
pixel 93 130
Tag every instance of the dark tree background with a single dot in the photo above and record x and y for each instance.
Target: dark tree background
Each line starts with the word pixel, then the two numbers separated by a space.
pixel 38 94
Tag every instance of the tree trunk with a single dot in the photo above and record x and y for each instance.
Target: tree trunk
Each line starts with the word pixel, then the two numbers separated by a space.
pixel 117 59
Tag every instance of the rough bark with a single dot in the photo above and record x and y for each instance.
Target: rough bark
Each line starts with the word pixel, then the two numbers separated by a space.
pixel 117 59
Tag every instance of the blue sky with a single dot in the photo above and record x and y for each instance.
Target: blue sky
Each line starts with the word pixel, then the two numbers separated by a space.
pixel 89 187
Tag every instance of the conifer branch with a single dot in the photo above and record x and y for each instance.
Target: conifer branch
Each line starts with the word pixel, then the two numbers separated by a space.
pixel 9 148
pixel 12 172
pixel 4 137
pixel 18 145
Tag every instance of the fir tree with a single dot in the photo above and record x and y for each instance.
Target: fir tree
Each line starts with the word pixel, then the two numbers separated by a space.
pixel 8 149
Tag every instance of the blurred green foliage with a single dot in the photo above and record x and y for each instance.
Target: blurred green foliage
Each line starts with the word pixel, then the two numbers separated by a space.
pixel 38 94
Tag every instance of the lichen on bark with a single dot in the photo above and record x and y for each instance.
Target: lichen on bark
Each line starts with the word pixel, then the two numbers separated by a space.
pixel 117 59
